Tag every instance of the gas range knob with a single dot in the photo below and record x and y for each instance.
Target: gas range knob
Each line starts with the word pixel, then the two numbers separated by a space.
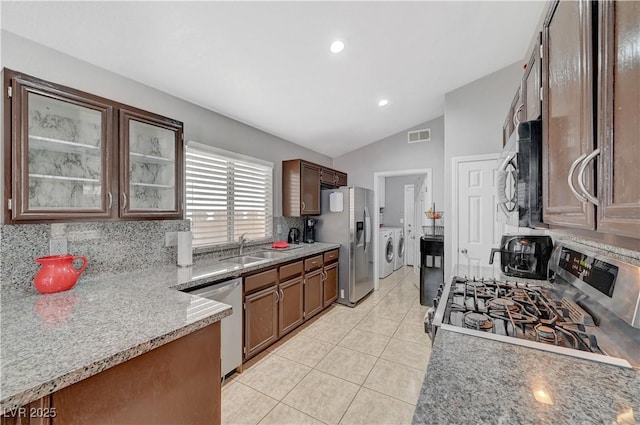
pixel 436 301
pixel 439 291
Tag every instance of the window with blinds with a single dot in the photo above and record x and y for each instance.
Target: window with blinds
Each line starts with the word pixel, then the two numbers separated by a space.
pixel 227 195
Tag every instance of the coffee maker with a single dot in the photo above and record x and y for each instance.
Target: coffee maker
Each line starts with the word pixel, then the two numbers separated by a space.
pixel 309 232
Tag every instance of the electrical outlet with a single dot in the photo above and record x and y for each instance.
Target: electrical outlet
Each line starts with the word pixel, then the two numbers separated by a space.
pixel 58 246
pixel 279 228
pixel 171 239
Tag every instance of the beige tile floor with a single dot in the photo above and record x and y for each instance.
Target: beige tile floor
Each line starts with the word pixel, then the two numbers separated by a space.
pixel 361 365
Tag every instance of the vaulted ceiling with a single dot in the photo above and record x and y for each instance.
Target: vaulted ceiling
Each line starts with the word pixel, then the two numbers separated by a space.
pixel 268 64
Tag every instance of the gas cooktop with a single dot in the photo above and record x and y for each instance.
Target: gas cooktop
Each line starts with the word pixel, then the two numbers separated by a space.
pixel 521 311
pixel 573 315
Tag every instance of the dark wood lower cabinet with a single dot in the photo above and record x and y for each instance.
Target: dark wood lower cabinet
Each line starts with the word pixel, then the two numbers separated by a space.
pixel 279 299
pixel 312 293
pixel 330 284
pixel 175 383
pixel 291 305
pixel 261 320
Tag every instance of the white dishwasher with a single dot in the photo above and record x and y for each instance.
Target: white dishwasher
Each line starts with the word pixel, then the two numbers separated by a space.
pixel 227 292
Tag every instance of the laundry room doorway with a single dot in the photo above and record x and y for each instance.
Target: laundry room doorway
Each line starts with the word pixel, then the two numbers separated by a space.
pixel 389 201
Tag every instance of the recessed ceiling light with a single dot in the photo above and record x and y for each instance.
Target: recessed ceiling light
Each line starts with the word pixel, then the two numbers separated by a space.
pixel 383 102
pixel 337 46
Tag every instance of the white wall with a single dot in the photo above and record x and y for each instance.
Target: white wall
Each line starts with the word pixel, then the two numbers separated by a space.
pixel 394 196
pixel 474 115
pixel 200 124
pixel 394 153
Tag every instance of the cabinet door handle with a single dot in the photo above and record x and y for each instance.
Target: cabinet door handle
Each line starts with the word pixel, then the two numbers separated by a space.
pixel 277 297
pixel 303 206
pixel 110 197
pixel 281 295
pixel 572 169
pixel 581 183
pixel 124 201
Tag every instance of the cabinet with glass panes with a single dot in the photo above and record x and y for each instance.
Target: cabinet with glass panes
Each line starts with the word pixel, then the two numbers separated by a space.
pixel 150 146
pixel 63 156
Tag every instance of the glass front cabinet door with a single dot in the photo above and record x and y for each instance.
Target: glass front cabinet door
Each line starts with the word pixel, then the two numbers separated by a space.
pixel 61 142
pixel 150 165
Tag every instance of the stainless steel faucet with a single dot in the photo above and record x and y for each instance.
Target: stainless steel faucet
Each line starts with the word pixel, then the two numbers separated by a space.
pixel 243 240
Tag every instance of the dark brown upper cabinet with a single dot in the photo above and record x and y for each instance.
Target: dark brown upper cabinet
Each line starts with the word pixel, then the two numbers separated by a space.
pixel 567 113
pixel 513 117
pixel 619 118
pixel 58 148
pixel 65 151
pixel 301 185
pixel 331 178
pixel 151 158
pixel 532 85
pixel 300 188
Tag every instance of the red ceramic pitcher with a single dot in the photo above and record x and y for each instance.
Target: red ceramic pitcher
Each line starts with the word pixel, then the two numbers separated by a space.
pixel 57 273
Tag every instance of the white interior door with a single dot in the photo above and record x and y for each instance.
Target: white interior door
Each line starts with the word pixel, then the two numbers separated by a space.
pixel 409 225
pixel 478 230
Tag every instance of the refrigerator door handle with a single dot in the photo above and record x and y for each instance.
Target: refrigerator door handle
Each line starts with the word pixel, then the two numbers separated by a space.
pixel 367 229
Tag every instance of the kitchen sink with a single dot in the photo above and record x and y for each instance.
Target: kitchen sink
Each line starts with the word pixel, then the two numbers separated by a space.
pixel 244 260
pixel 268 254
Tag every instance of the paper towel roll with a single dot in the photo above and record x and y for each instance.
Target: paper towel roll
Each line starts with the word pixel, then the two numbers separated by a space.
pixel 185 255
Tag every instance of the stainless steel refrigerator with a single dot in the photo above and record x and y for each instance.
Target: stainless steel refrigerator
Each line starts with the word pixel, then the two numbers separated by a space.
pixel 346 219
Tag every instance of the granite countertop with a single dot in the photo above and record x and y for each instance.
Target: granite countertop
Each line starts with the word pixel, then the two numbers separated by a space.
pixel 481 381
pixel 55 340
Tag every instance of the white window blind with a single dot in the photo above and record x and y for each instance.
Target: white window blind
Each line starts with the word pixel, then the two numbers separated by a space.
pixel 227 195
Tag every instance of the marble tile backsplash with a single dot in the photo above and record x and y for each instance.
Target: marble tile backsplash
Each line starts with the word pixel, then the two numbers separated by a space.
pixel 622 254
pixel 285 224
pixel 110 247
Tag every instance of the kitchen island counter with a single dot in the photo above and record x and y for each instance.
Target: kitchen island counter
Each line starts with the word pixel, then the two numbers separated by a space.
pixel 480 381
pixel 49 342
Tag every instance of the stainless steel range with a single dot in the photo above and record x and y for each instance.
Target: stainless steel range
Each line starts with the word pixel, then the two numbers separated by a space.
pixel 589 309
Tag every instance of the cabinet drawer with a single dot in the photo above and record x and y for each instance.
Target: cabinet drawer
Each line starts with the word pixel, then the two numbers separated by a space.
pixel 290 270
pixel 260 280
pixel 341 179
pixel 331 256
pixel 313 263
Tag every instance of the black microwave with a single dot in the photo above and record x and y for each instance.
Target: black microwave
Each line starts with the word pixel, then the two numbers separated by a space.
pixel 519 177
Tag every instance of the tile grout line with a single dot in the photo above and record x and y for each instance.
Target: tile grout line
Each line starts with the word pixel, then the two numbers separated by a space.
pixel 374 365
pixel 334 345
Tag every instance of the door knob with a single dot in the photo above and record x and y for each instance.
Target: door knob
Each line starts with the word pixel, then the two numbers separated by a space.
pixel 464 251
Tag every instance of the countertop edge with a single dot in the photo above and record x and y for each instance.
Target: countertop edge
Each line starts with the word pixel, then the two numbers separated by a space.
pixel 23 397
pixel 29 395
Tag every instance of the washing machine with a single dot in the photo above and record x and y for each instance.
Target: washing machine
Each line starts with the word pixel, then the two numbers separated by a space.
pixel 399 251
pixel 386 249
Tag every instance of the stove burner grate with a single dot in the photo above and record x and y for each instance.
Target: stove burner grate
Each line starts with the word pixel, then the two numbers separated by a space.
pixel 546 333
pixel 478 321
pixel 502 304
